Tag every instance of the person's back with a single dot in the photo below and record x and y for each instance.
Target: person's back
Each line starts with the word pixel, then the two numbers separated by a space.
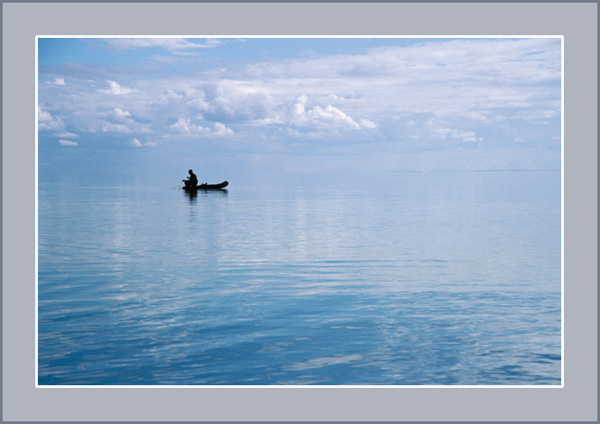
pixel 192 180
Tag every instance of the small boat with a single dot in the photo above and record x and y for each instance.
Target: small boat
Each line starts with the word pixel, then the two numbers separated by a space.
pixel 205 186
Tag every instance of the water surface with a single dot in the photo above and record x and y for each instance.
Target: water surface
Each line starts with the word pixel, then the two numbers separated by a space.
pixel 399 279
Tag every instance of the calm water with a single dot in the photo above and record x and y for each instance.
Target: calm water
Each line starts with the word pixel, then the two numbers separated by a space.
pixel 405 279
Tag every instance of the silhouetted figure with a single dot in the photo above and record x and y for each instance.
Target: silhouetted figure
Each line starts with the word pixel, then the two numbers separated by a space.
pixel 192 180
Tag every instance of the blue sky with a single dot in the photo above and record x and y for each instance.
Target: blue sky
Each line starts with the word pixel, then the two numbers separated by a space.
pixel 243 106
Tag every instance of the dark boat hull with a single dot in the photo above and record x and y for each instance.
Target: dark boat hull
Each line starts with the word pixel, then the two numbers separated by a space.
pixel 219 186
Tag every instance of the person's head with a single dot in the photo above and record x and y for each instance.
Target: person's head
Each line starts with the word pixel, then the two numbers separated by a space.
pixel 190 172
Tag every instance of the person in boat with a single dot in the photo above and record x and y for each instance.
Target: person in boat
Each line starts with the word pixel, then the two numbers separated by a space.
pixel 192 180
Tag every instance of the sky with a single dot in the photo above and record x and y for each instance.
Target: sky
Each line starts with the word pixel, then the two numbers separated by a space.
pixel 155 107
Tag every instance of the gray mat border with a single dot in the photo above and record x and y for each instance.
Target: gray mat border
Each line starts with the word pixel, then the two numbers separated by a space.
pixel 576 401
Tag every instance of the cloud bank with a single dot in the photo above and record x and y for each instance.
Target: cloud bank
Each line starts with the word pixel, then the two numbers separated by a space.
pixel 409 97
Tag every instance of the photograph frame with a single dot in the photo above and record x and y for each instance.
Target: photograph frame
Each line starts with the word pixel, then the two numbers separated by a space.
pixel 366 404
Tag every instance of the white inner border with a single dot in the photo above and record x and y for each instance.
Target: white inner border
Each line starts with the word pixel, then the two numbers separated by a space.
pixel 562 385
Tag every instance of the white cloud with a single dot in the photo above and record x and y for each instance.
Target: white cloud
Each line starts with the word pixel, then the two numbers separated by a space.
pixel 115 88
pixel 298 111
pixel 332 115
pixel 222 130
pixel 171 96
pixel 467 136
pixel 454 134
pixel 47 122
pixel 303 135
pixel 116 128
pixel 185 126
pixel 66 135
pixel 137 143
pixel 324 117
pixel 120 114
pixel 170 44
pixel 211 42
pixel 365 123
pixel 57 81
pixel 120 121
pixel 234 100
pixel 67 143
